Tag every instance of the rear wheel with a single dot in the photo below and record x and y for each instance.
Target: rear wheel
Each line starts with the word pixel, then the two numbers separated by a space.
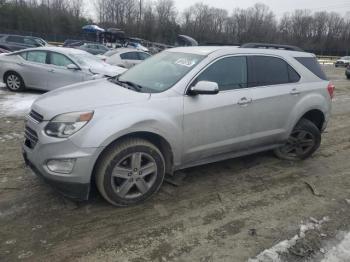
pixel 304 140
pixel 130 172
pixel 14 82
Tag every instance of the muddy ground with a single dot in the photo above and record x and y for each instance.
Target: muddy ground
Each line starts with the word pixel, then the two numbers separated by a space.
pixel 228 211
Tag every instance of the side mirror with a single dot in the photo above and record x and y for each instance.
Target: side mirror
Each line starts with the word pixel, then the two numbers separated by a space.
pixel 204 88
pixel 72 67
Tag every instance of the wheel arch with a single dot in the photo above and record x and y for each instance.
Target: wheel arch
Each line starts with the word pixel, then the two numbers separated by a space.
pixel 160 142
pixel 11 71
pixel 316 116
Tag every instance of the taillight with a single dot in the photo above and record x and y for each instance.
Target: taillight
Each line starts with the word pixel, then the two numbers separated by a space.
pixel 331 89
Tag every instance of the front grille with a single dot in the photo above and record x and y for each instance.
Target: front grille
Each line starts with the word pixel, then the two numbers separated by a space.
pixel 31 137
pixel 36 116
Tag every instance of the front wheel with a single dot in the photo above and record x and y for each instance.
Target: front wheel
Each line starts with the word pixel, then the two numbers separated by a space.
pixel 130 172
pixel 304 140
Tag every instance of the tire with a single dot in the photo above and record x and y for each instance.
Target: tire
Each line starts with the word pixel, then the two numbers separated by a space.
pixel 14 82
pixel 130 184
pixel 348 76
pixel 304 140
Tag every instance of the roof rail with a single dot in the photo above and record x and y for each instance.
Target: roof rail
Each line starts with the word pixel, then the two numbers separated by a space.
pixel 272 46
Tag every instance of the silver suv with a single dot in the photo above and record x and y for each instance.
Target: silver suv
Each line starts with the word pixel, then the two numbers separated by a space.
pixel 181 108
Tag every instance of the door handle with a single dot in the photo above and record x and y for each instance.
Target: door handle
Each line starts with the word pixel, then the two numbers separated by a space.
pixel 244 101
pixel 20 63
pixel 294 91
pixel 51 70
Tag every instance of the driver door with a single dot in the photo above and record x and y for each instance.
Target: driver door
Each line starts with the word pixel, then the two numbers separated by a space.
pixel 218 124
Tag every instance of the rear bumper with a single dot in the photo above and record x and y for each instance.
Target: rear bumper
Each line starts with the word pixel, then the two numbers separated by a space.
pixel 78 191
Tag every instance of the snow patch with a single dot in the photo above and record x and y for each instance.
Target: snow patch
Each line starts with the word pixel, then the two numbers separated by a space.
pixel 339 253
pixel 15 104
pixel 273 254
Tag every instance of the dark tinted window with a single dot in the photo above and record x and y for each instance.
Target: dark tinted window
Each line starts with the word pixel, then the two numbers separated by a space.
pixel 293 75
pixel 29 41
pixel 266 70
pixel 16 39
pixel 228 73
pixel 312 64
pixel 143 56
pixel 129 56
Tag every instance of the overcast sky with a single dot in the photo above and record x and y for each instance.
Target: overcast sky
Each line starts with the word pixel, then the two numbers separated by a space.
pixel 278 6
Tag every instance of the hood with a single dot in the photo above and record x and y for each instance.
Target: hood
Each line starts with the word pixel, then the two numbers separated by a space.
pixel 85 96
pixel 107 70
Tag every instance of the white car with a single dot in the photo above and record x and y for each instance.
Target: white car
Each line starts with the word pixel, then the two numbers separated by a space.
pixel 48 68
pixel 342 62
pixel 125 57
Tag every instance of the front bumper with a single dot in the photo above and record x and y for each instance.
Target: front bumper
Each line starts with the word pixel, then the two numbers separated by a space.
pixel 76 191
pixel 75 184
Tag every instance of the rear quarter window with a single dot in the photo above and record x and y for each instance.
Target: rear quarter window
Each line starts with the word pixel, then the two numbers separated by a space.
pixel 312 64
pixel 268 70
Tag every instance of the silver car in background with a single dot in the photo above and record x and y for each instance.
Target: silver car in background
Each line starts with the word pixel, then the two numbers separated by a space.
pixel 125 57
pixel 48 68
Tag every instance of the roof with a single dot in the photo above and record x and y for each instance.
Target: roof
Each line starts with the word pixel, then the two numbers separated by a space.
pixel 225 50
pixel 198 50
pixel 64 50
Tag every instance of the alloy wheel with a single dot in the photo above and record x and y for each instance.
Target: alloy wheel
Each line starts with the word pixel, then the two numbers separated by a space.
pixel 134 175
pixel 299 143
pixel 13 82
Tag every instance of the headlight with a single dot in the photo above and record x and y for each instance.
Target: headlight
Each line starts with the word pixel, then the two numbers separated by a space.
pixel 66 125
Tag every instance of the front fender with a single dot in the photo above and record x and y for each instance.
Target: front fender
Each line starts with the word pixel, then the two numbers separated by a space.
pixel 105 127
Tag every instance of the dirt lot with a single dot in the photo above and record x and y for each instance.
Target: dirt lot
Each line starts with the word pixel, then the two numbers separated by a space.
pixel 228 211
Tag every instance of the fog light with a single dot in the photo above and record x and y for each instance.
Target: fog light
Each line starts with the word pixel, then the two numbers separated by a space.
pixel 64 166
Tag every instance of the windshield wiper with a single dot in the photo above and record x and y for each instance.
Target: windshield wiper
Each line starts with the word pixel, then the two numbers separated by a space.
pixel 134 86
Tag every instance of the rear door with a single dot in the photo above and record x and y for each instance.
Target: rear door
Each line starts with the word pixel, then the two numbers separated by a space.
pixel 275 92
pixel 34 69
pixel 58 72
pixel 217 124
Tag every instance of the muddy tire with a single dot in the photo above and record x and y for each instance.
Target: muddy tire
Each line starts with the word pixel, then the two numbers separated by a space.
pixel 304 140
pixel 130 172
pixel 14 82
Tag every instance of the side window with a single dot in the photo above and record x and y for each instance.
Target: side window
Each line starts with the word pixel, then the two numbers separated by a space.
pixel 29 41
pixel 129 56
pixel 293 75
pixel 267 70
pixel 15 39
pixel 59 60
pixel 229 73
pixel 143 56
pixel 23 55
pixel 312 64
pixel 37 56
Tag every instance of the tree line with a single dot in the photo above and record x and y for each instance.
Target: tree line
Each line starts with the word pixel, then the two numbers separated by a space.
pixel 159 20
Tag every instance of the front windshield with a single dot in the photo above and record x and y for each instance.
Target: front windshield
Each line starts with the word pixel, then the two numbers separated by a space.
pixel 162 71
pixel 87 60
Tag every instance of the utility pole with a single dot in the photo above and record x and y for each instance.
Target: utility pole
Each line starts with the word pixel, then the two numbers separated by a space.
pixel 140 17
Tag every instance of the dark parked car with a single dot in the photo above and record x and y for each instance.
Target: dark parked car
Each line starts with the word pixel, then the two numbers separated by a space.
pixel 347 72
pixel 342 62
pixel 18 42
pixel 2 51
pixel 76 43
pixel 95 49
